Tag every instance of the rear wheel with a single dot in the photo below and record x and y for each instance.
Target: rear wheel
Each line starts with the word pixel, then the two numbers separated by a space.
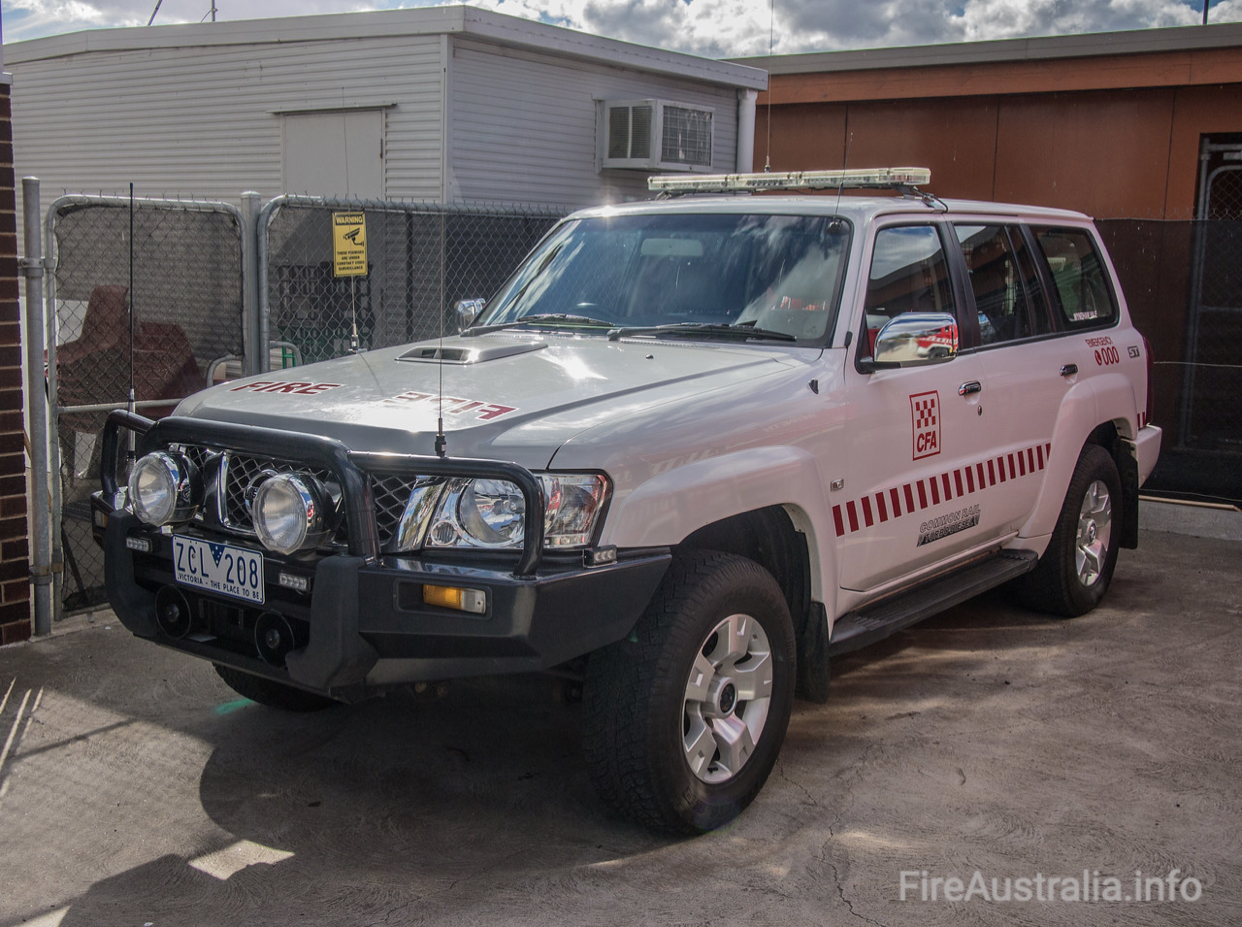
pixel 272 694
pixel 684 720
pixel 1076 569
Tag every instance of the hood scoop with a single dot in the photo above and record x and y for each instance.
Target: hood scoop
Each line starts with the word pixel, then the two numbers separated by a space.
pixel 453 354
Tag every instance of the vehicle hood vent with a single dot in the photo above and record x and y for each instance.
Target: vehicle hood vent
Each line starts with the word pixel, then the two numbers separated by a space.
pixel 453 354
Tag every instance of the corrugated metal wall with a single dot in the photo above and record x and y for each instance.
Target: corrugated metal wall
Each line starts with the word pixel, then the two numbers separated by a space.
pixel 204 121
pixel 518 115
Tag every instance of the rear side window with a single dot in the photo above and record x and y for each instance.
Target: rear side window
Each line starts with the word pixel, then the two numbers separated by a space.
pixel 1080 283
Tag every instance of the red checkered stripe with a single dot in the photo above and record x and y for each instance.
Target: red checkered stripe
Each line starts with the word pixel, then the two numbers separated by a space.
pixel 909 498
pixel 926 409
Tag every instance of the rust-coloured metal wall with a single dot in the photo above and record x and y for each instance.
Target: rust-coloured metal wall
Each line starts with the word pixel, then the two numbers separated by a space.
pixel 1064 133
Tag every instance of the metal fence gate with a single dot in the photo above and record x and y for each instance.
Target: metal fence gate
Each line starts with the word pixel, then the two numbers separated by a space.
pixel 1214 325
pixel 186 299
pixel 192 321
pixel 422 258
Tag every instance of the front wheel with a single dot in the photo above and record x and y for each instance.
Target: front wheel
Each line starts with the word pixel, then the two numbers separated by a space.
pixel 685 718
pixel 1076 569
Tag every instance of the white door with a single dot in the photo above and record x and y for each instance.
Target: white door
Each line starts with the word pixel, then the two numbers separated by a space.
pixel 912 496
pixel 337 154
pixel 1028 367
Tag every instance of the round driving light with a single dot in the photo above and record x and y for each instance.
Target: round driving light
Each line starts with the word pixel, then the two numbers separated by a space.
pixel 292 512
pixel 493 512
pixel 165 487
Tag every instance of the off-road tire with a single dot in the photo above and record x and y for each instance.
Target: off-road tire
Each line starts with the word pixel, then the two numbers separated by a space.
pixel 1056 586
pixel 637 708
pixel 272 694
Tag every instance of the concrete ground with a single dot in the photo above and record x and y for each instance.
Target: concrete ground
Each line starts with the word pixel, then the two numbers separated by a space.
pixel 136 789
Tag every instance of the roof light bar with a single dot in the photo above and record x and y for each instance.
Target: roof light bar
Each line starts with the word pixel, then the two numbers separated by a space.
pixel 877 178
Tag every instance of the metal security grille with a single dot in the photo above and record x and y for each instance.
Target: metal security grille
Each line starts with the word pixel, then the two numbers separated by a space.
pixel 687 136
pixel 186 302
pixel 421 259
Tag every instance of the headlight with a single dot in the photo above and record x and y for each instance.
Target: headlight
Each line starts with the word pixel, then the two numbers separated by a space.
pixel 164 488
pixel 292 512
pixel 574 504
pixel 479 513
pixel 491 514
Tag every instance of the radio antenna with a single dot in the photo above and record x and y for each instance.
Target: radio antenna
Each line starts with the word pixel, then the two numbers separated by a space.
pixel 441 440
pixel 767 155
pixel 845 162
pixel 129 451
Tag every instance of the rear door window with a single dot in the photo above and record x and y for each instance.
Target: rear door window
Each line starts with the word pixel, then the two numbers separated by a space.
pixel 1009 299
pixel 1080 282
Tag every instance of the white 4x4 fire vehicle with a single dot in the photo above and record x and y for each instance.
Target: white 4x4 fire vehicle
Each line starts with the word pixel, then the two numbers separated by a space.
pixel 692 450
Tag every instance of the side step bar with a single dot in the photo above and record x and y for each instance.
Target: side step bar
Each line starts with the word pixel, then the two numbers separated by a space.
pixel 879 620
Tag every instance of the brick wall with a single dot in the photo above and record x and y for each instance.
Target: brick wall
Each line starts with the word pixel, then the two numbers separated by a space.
pixel 14 555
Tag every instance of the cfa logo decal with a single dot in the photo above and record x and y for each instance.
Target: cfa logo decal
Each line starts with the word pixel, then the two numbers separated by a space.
pixel 925 419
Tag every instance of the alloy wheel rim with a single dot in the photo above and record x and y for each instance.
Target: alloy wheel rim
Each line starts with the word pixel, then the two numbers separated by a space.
pixel 1095 529
pixel 727 698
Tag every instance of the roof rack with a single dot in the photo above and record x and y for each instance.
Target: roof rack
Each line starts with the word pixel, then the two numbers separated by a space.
pixel 876 178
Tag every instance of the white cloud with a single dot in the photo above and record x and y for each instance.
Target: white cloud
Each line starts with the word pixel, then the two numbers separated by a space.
pixel 707 27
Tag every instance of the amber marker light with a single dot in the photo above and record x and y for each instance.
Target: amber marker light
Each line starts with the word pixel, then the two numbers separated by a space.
pixel 456 598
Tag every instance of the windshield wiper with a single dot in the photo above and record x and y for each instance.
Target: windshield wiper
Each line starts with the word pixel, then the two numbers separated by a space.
pixel 745 331
pixel 539 317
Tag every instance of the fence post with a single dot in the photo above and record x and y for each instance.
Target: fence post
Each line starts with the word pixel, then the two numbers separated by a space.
pixel 261 282
pixel 56 525
pixel 255 346
pixel 36 399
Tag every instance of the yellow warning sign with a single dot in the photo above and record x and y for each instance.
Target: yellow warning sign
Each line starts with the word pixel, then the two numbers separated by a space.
pixel 349 244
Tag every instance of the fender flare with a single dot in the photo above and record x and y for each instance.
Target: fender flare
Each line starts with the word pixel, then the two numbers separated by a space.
pixel 668 508
pixel 1088 404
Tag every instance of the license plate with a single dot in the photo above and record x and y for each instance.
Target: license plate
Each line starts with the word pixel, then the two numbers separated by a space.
pixel 222 568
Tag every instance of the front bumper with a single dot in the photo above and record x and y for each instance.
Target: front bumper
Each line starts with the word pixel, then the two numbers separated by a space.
pixel 363 624
pixel 1147 446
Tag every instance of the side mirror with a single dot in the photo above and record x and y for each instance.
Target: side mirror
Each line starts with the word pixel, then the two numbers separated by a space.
pixel 467 311
pixel 916 339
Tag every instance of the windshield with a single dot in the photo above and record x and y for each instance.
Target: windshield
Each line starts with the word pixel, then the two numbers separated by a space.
pixel 701 273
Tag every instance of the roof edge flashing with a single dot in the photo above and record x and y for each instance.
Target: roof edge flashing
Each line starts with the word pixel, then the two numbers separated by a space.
pixel 1041 48
pixel 418 21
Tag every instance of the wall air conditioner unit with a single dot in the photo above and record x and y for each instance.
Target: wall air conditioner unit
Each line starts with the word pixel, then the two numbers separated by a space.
pixel 655 135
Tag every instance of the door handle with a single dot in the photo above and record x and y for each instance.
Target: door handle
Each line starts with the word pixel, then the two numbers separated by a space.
pixel 974 386
pixel 1069 370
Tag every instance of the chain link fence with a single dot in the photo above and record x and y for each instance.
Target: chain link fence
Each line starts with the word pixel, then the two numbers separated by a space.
pixel 1223 198
pixel 421 259
pixel 186 299
pixel 189 319
pixel 1183 282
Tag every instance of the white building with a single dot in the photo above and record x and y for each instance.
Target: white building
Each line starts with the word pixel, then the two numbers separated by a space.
pixel 449 104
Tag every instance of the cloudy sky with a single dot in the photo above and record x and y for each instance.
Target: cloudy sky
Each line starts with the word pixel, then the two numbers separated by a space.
pixel 716 28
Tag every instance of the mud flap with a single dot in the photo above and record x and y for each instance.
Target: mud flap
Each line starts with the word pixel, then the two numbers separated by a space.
pixel 1128 470
pixel 813 667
